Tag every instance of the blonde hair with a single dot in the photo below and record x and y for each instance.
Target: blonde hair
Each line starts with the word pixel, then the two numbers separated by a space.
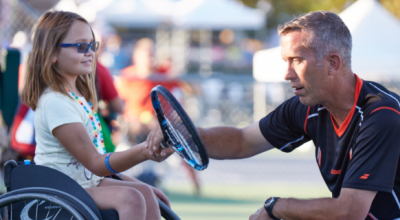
pixel 51 29
pixel 328 34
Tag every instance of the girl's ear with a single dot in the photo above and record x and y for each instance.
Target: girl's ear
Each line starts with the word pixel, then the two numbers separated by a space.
pixel 54 59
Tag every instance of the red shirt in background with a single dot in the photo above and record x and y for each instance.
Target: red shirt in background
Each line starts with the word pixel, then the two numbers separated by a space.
pixel 107 90
pixel 136 92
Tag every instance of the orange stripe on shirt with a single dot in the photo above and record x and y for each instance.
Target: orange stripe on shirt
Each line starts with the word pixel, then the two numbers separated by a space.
pixel 388 108
pixel 305 123
pixel 340 131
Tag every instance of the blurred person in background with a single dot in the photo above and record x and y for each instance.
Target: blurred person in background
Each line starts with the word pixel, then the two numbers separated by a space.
pixel 113 56
pixel 106 88
pixel 353 123
pixel 134 86
pixel 110 104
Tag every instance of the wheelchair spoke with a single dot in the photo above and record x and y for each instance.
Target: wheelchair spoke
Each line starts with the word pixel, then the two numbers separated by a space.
pixel 37 206
pixel 51 204
pixel 57 213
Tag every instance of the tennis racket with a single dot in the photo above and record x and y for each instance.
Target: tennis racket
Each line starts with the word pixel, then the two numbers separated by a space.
pixel 177 128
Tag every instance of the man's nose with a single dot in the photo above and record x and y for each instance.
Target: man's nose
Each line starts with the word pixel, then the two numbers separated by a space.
pixel 290 74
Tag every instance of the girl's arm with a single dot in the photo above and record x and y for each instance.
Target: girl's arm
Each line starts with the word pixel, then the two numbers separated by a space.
pixel 77 142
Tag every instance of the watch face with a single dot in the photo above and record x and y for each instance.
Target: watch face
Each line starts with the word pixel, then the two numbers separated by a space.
pixel 268 202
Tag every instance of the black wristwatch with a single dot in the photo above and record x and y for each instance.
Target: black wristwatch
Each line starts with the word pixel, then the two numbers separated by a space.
pixel 269 204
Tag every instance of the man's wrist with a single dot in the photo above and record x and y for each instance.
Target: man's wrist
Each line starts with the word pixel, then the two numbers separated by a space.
pixel 269 205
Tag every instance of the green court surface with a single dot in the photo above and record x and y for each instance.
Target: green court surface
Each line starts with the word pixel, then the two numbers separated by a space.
pixel 218 202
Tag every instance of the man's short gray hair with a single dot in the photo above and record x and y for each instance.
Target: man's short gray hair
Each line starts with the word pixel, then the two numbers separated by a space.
pixel 328 34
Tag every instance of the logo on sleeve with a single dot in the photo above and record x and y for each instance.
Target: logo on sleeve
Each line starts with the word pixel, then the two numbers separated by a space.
pixel 335 172
pixel 364 177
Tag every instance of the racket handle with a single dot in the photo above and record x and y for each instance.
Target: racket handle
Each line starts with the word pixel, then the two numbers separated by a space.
pixel 164 144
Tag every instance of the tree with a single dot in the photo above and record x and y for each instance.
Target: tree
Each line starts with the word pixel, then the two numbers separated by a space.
pixel 393 6
pixel 285 10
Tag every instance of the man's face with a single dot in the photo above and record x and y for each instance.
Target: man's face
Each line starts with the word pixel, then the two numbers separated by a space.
pixel 308 79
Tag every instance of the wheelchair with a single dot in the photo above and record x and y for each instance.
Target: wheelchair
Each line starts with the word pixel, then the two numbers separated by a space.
pixel 39 192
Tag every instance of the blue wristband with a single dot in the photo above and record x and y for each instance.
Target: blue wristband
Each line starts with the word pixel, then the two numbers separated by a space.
pixel 108 164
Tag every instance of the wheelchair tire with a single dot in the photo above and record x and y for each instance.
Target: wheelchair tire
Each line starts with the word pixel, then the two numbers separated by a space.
pixel 77 205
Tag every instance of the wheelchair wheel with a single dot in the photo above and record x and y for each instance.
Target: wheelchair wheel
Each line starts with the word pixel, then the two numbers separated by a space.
pixel 27 206
pixel 166 212
pixel 42 203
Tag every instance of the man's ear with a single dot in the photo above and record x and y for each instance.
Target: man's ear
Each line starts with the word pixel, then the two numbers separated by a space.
pixel 335 61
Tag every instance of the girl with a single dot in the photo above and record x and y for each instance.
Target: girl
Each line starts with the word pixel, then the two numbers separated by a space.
pixel 60 88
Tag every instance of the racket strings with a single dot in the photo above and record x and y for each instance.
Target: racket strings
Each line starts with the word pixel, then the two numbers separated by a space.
pixel 177 123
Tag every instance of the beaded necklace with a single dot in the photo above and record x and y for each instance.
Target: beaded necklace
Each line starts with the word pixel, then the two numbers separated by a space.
pixel 98 134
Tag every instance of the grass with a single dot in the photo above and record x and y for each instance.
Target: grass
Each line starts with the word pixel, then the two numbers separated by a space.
pixel 219 202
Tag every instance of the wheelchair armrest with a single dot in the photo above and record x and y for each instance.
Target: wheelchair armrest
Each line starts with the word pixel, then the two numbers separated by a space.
pixel 8 167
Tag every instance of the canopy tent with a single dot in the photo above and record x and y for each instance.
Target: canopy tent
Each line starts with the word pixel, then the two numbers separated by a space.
pixel 137 13
pixel 216 14
pixel 187 14
pixel 376 45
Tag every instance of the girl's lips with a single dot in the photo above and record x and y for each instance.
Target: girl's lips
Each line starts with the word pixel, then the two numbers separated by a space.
pixel 87 63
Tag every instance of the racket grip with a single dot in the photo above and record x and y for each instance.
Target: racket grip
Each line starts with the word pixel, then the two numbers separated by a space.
pixel 163 144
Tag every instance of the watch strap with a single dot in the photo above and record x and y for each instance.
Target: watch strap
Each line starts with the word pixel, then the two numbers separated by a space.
pixel 269 205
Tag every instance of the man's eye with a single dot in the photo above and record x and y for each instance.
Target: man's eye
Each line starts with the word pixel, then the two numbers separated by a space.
pixel 297 60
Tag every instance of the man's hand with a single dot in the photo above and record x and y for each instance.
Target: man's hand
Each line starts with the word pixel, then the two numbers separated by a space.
pixel 351 204
pixel 153 145
pixel 261 214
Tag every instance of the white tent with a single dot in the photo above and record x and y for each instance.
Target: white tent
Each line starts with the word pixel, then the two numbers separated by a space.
pixel 216 14
pixel 188 14
pixel 376 45
pixel 137 13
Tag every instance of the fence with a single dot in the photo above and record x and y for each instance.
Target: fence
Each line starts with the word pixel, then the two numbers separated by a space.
pixel 16 16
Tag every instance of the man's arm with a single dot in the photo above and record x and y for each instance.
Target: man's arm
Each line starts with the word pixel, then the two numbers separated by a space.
pixel 234 143
pixel 352 204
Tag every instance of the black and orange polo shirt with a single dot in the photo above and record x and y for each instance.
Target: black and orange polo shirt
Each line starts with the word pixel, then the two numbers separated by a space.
pixel 363 153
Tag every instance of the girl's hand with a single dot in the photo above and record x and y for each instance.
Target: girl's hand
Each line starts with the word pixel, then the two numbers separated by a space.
pixel 153 144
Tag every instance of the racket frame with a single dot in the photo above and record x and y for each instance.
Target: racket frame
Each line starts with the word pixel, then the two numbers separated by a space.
pixel 169 133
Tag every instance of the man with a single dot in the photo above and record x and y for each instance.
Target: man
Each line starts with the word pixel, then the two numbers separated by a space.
pixel 353 123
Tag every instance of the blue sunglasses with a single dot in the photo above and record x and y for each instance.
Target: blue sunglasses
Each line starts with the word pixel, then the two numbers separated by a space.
pixel 83 47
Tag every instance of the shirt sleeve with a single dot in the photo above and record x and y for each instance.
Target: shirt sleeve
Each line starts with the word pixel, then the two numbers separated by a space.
pixel 107 90
pixel 59 110
pixel 375 157
pixel 284 127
